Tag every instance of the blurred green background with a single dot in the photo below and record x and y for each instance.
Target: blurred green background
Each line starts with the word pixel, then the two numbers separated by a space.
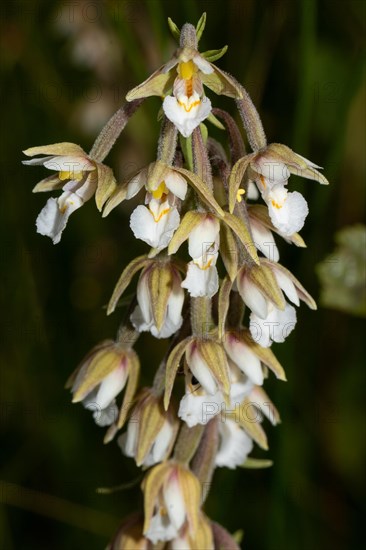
pixel 66 67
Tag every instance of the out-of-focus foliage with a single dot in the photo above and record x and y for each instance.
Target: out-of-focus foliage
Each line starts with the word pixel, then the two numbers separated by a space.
pixel 66 66
pixel 343 273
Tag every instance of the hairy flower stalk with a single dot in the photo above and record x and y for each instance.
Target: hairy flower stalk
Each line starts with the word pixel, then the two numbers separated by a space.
pixel 230 209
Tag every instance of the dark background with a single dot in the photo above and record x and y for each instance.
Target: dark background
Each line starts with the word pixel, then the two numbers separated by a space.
pixel 66 67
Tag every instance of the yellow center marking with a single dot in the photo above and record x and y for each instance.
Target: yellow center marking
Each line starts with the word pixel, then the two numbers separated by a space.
pixel 70 175
pixel 239 194
pixel 276 204
pixel 188 109
pixel 160 191
pixel 162 213
pixel 205 266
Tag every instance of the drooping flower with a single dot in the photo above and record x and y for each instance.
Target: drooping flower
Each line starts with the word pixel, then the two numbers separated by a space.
pixel 160 299
pixel 262 289
pixel 151 432
pixel 100 377
pixel 172 497
pixel 78 175
pixel 197 406
pixel 203 247
pixel 234 446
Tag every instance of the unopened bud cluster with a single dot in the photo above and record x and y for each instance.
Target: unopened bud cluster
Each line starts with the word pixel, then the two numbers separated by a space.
pixel 192 192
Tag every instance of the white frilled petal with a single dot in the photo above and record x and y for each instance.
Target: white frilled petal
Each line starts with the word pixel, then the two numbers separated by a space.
pixel 252 297
pixel 176 184
pixel 186 119
pixel 200 370
pixel 287 213
pixel 203 64
pixel 287 286
pixel 174 502
pixel 102 417
pixel 234 446
pixel 264 241
pixel 69 164
pixel 110 387
pixel 157 234
pixel 275 328
pixel 245 359
pixel 136 184
pixel 53 218
pixel 203 240
pixel 272 170
pixel 160 528
pixel 180 543
pixel 201 282
pixel 199 409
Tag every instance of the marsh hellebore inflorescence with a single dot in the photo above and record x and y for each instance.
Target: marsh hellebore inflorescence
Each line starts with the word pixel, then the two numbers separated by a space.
pixel 193 191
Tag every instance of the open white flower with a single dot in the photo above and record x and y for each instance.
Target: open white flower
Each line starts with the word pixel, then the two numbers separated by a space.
pixel 235 445
pixel 198 406
pixel 275 327
pixel 244 358
pixel 203 247
pixel 155 223
pixel 187 107
pixel 80 178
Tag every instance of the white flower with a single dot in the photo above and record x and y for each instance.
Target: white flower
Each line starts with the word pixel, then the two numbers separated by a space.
pixel 142 317
pixel 197 406
pixel 187 108
pixel 264 240
pixel 203 247
pixel 275 327
pixel 171 512
pixel 128 441
pixel 234 446
pixel 245 359
pixel 287 211
pixel 155 224
pixel 77 175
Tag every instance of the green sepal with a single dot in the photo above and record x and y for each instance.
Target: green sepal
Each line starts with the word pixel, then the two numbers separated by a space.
pixel 214 55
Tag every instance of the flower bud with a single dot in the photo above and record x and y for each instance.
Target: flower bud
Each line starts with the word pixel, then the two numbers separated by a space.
pixel 151 431
pixel 101 376
pixel 172 496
